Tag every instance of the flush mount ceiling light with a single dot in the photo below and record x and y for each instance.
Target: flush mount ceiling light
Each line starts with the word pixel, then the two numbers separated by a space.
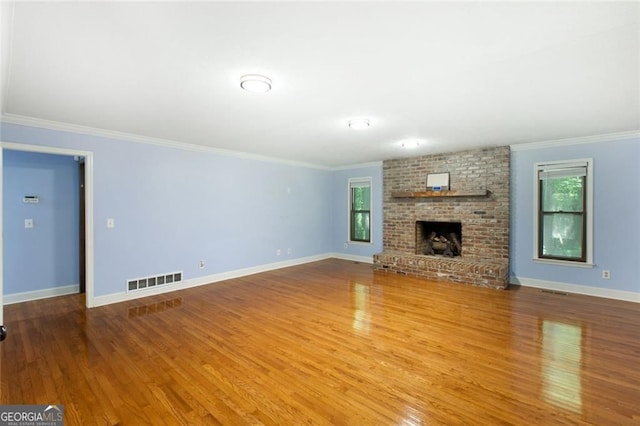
pixel 359 123
pixel 255 83
pixel 410 143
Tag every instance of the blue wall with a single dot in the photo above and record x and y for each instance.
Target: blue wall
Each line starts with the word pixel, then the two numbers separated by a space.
pixel 616 215
pixel 340 208
pixel 175 207
pixel 45 256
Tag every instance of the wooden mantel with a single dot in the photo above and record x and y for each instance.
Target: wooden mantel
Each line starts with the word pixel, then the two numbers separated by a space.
pixel 435 194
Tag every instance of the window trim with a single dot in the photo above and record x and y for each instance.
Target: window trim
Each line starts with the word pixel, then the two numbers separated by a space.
pixel 360 181
pixel 588 262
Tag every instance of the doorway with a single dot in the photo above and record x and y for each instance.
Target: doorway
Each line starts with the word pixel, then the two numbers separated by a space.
pixel 81 228
pixel 86 246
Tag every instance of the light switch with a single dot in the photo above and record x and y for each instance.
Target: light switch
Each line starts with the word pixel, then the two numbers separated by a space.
pixel 111 223
pixel 28 223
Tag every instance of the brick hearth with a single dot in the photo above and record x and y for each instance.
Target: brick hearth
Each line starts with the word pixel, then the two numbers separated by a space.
pixel 484 260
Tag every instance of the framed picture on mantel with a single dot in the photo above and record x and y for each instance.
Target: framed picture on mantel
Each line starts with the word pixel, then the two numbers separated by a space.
pixel 438 181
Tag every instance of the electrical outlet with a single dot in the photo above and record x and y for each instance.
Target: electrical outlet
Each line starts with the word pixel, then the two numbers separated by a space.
pixel 346 246
pixel 278 252
pixel 111 223
pixel 202 264
pixel 606 274
pixel 28 223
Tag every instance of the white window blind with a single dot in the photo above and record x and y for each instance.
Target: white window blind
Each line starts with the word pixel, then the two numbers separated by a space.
pixel 565 170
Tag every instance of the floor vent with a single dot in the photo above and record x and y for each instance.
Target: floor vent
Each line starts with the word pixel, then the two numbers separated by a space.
pixel 153 281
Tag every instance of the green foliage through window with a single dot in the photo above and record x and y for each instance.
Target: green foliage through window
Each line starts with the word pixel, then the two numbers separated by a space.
pixel 562 216
pixel 360 211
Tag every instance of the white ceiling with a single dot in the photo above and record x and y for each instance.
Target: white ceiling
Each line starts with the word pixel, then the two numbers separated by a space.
pixel 453 74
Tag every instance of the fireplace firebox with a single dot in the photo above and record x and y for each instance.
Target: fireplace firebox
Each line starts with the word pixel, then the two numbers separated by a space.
pixel 439 238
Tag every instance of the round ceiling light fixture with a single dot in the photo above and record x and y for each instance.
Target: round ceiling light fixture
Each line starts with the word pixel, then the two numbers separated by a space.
pixel 359 123
pixel 410 143
pixel 255 83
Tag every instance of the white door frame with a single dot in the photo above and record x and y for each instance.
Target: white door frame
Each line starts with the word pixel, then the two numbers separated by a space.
pixel 88 183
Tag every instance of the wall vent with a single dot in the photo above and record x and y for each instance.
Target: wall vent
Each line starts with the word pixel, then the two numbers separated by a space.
pixel 153 281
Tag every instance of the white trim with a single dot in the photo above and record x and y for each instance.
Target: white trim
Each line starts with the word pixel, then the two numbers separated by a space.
pixel 359 243
pixel 563 262
pixel 610 137
pixel 589 213
pixel 358 166
pixel 204 280
pixel 352 257
pixel 88 203
pixel 131 137
pixel 42 149
pixel 628 296
pixel 1 243
pixel 88 230
pixel 28 296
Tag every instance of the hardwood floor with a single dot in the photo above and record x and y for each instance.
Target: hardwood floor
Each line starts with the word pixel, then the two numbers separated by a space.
pixel 330 342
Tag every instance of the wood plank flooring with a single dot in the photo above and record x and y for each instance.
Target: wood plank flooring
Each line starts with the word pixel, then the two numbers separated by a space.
pixel 329 342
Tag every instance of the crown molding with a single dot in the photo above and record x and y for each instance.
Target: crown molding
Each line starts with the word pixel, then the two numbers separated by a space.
pixel 167 143
pixel 358 166
pixel 610 137
pixel 132 137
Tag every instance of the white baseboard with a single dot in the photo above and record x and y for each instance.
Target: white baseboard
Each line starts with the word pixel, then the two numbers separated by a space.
pixel 196 282
pixel 628 296
pixel 344 256
pixel 27 296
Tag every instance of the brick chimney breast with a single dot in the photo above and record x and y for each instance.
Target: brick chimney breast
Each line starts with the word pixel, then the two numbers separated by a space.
pixel 478 200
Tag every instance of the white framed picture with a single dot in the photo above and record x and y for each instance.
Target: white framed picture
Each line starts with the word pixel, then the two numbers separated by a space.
pixel 438 182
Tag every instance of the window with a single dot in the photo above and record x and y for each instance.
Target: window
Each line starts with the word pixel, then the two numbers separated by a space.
pixel 360 210
pixel 563 211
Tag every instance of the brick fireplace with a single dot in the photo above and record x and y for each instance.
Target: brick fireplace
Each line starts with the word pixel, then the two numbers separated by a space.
pixel 475 210
pixel 443 238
